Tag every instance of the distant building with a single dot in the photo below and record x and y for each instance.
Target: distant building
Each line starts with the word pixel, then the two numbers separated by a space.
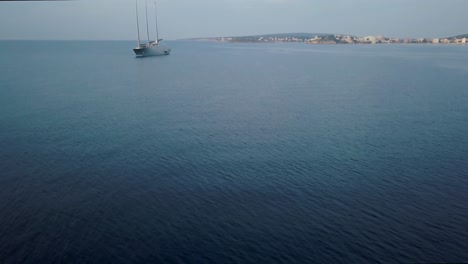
pixel 463 40
pixel 348 40
pixel 369 39
pixel 436 41
pixel 380 39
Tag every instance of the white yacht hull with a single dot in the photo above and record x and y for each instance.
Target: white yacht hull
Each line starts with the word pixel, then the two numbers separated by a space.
pixel 152 50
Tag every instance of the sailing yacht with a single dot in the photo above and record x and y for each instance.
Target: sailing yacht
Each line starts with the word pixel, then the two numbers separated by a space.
pixel 152 48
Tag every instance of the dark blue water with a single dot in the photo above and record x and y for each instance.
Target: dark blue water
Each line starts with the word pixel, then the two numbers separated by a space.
pixel 233 153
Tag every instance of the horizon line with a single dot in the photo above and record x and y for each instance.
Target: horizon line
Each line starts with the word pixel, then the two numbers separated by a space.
pixel 212 37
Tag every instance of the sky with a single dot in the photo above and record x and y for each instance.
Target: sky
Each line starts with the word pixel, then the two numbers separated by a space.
pixel 178 19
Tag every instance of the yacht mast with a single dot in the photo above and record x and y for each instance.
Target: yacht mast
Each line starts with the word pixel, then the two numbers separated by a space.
pixel 156 15
pixel 138 23
pixel 147 29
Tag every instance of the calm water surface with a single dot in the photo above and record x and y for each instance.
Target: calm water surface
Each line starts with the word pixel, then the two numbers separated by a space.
pixel 233 153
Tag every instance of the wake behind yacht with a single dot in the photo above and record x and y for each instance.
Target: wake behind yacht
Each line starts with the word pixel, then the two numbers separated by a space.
pixel 151 48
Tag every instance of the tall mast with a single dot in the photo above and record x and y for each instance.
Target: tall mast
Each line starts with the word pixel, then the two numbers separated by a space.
pixel 138 23
pixel 156 15
pixel 147 28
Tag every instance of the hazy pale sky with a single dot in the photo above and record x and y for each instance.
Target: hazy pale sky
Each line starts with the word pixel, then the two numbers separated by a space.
pixel 115 19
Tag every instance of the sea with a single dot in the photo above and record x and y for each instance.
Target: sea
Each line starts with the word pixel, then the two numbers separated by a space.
pixel 233 153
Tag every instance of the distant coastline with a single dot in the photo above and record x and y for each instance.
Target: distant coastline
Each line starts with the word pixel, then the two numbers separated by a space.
pixel 318 38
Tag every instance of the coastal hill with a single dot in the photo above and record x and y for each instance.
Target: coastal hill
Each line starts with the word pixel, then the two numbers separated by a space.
pixel 265 37
pixel 282 35
pixel 322 38
pixel 459 36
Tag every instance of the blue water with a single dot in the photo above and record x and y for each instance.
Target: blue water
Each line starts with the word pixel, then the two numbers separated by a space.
pixel 233 153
